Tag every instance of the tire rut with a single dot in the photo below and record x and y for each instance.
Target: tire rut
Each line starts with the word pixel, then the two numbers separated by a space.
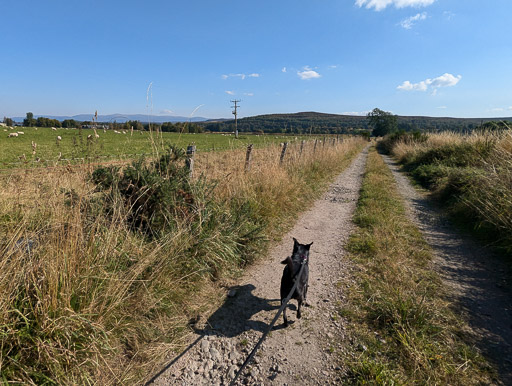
pixel 302 353
pixel 478 281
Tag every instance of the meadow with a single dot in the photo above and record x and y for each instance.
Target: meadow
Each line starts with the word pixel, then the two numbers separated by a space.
pixel 75 146
pixel 104 266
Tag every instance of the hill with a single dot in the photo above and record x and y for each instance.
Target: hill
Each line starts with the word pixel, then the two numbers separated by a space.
pixel 313 122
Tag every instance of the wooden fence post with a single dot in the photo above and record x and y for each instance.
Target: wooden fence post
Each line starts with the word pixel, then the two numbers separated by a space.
pixel 301 147
pixel 248 157
pixel 283 152
pixel 191 151
pixel 314 148
pixel 323 143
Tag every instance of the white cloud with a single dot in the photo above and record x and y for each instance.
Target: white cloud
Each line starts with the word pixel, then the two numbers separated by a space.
pixel 333 66
pixel 510 108
pixel 308 73
pixel 410 21
pixel 241 76
pixel 284 69
pixel 166 111
pixel 442 107
pixel 445 80
pixel 379 5
pixel 497 109
pixel 359 113
pixel 249 93
pixel 230 92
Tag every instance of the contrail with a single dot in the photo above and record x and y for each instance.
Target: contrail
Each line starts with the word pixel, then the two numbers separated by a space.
pixel 197 108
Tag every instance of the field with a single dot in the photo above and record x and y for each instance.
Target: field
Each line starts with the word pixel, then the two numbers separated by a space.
pixel 76 147
pixel 104 267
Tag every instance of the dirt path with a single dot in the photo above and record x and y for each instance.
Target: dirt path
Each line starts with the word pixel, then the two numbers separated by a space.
pixel 301 353
pixel 476 279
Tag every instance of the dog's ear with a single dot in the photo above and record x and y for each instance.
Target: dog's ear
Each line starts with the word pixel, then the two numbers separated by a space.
pixel 309 245
pixel 295 244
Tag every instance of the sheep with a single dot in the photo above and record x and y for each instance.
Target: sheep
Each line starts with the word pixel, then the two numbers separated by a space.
pixel 59 138
pixel 12 135
pixel 21 132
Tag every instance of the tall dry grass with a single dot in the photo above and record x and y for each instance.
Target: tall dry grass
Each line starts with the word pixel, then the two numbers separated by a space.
pixel 85 299
pixel 471 174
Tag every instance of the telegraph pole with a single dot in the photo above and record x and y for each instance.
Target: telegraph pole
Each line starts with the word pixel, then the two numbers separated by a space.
pixel 235 114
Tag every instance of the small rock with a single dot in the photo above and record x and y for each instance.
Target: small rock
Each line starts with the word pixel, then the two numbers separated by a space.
pixel 205 346
pixel 215 354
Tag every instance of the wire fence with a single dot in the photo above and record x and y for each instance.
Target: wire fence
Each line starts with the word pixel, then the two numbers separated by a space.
pixel 36 163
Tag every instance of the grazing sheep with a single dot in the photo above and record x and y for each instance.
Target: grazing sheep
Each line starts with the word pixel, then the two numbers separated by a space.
pixel 21 132
pixel 59 138
pixel 89 136
pixel 54 129
pixel 12 135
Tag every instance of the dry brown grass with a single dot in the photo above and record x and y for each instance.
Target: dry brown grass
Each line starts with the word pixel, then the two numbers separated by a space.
pixel 471 174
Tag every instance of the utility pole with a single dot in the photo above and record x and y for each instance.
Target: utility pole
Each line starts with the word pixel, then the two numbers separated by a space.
pixel 235 114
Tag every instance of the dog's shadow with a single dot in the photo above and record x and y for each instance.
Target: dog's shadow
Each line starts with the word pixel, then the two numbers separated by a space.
pixel 236 314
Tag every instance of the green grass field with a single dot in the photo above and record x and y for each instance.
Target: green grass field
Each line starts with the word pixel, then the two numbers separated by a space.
pixel 75 145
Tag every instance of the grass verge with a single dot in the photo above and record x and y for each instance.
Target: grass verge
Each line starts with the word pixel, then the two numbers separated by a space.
pixel 404 327
pixel 469 175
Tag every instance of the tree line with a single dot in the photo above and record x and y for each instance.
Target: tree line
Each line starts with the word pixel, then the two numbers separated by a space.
pixel 177 127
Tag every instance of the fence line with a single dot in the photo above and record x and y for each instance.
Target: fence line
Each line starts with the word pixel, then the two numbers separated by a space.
pixel 42 164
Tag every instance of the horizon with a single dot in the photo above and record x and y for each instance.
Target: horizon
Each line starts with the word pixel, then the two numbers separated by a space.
pixel 409 57
pixel 19 119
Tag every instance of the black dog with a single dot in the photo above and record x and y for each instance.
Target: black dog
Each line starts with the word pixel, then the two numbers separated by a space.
pixel 293 265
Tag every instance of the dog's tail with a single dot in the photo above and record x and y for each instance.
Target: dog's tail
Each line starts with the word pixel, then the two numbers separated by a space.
pixel 288 261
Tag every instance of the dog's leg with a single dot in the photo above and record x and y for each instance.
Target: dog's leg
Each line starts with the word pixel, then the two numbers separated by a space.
pixel 306 304
pixel 284 315
pixel 299 301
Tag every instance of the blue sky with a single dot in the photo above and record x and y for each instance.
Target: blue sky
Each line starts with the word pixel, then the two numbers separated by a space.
pixel 411 57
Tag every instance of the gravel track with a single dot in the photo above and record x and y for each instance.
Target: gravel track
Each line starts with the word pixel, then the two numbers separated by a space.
pixel 478 282
pixel 300 354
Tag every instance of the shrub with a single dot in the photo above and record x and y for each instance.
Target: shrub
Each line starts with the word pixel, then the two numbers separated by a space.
pixel 152 194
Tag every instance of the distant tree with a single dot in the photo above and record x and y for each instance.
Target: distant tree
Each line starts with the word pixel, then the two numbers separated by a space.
pixel 29 121
pixel 382 122
pixel 8 121
pixel 496 126
pixel 69 123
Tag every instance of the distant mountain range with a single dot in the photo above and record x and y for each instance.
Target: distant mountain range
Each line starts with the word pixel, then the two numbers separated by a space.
pixel 120 118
